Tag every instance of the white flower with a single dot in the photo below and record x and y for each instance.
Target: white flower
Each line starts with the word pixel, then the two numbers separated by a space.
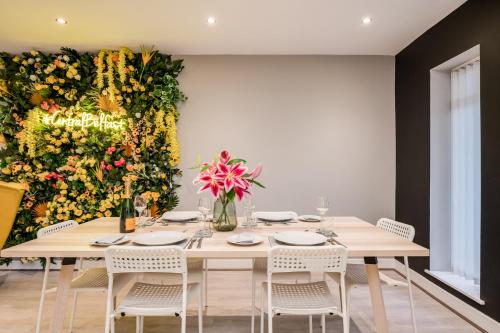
pixel 77 77
pixel 38 59
pixel 66 58
pixel 31 60
pixel 138 115
pixel 33 77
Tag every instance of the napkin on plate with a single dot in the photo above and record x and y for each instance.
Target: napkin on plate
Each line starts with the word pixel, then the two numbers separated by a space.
pixel 276 216
pixel 109 239
pixel 245 237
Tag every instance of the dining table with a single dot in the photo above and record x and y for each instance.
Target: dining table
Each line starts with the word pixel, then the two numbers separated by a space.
pixel 362 240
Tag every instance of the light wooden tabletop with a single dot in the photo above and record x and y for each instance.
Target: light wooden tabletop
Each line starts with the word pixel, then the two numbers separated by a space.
pixel 361 238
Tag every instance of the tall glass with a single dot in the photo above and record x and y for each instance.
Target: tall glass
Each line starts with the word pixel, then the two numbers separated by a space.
pixel 204 207
pixel 139 205
pixel 249 210
pixel 322 208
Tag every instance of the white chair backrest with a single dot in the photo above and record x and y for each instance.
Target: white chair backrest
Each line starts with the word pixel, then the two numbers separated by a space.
pixel 52 229
pixel 397 228
pixel 283 259
pixel 134 259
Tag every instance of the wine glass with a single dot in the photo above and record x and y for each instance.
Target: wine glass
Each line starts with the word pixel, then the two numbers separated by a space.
pixel 139 204
pixel 204 207
pixel 322 208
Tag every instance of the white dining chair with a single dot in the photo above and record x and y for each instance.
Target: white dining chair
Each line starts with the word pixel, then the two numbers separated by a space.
pixel 312 298
pixel 147 299
pixel 356 273
pixel 92 280
pixel 259 276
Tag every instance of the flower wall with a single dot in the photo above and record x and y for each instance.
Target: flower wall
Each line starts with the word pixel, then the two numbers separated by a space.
pixel 75 124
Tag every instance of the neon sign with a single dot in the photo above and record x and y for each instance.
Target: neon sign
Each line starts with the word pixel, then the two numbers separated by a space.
pixel 84 120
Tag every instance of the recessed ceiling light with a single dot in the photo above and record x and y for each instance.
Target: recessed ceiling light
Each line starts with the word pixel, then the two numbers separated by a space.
pixel 367 20
pixel 61 20
pixel 211 20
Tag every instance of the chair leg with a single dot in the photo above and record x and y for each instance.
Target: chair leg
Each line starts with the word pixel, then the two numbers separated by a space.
pixel 73 310
pixel 252 326
pixel 310 324
pixel 112 324
pixel 345 313
pixel 323 323
pixel 205 282
pixel 42 296
pixel 183 323
pixel 410 294
pixel 200 312
pixel 262 313
pixel 269 310
pixel 138 324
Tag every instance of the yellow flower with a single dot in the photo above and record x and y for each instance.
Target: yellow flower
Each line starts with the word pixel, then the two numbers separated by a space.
pixel 55 88
pixel 6 171
pixel 107 213
pixel 78 212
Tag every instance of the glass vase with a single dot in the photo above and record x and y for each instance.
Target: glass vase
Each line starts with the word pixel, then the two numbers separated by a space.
pixel 224 215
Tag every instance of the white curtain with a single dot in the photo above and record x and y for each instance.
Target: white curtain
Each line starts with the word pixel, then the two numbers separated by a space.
pixel 466 171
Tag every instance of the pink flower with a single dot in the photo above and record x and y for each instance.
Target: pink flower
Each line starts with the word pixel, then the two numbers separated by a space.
pixel 109 167
pixel 110 150
pixel 121 162
pixel 103 165
pixel 231 175
pixel 209 182
pixel 129 167
pixel 224 157
pixel 257 171
pixel 53 108
pixel 44 105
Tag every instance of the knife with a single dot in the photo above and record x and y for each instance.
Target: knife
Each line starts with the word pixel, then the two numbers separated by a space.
pixel 191 242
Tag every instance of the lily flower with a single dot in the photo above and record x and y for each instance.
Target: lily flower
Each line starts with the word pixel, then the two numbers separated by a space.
pixel 257 171
pixel 224 156
pixel 231 175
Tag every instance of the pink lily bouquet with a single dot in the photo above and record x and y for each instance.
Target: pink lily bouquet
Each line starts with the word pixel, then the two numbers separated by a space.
pixel 227 178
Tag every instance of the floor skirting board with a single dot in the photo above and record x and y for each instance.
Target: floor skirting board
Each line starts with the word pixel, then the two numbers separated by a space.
pixel 468 312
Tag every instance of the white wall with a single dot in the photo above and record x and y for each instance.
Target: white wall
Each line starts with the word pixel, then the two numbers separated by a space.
pixel 321 125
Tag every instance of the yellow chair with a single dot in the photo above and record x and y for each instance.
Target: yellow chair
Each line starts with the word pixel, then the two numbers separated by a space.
pixel 11 195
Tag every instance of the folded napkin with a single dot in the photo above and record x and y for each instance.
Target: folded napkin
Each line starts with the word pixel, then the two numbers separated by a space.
pixel 181 215
pixel 109 239
pixel 245 237
pixel 276 216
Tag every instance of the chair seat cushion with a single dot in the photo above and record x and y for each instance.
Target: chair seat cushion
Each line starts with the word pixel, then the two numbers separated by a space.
pixel 355 274
pixel 302 298
pixel 154 299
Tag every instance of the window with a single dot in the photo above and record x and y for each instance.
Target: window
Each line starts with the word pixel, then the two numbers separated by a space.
pixel 455 198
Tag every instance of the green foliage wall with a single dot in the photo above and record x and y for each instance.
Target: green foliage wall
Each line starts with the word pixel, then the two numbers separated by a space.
pixel 54 115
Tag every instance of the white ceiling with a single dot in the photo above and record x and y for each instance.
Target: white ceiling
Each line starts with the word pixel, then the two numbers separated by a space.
pixel 243 26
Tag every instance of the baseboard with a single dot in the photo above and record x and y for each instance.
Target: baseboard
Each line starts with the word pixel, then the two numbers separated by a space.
pixel 475 316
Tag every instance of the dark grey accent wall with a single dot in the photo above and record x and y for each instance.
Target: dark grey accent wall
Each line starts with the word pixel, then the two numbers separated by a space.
pixel 475 22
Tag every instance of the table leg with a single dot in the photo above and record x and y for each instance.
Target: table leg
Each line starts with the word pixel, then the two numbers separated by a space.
pixel 63 284
pixel 371 265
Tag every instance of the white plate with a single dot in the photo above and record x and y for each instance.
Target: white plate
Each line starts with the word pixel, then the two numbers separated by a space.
pixel 310 218
pixel 160 238
pixel 239 239
pixel 121 241
pixel 179 216
pixel 300 238
pixel 275 216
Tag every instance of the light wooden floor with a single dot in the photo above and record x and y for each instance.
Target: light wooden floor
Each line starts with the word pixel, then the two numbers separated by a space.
pixel 228 311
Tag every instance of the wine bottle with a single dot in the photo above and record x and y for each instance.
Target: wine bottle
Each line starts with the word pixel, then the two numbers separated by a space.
pixel 127 215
